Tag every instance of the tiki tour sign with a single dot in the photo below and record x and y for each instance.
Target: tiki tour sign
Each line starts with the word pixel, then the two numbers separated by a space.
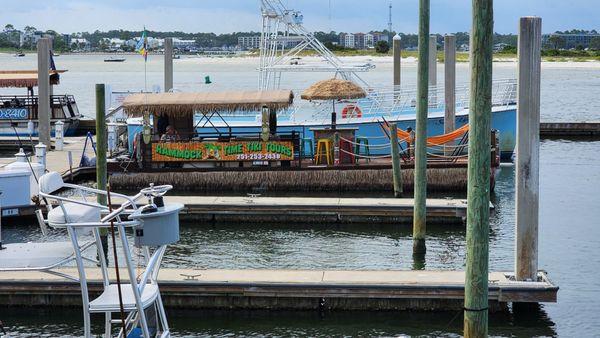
pixel 222 151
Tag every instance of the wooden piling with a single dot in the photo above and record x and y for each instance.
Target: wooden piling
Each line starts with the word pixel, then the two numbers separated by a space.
pixel 420 194
pixel 528 143
pixel 396 168
pixel 433 60
pixel 101 142
pixel 449 82
pixel 43 53
pixel 168 64
pixel 478 189
pixel 397 44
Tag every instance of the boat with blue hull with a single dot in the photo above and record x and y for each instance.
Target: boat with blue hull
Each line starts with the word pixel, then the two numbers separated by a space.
pixel 366 116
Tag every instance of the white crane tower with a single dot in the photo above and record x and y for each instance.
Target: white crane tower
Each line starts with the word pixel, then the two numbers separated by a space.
pixel 281 26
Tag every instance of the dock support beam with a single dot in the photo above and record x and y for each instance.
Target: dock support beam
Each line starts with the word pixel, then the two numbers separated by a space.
pixel 420 171
pixel 168 64
pixel 396 167
pixel 478 188
pixel 397 46
pixel 449 83
pixel 528 148
pixel 43 54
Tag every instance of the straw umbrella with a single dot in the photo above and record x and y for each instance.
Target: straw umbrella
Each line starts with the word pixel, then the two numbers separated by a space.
pixel 333 89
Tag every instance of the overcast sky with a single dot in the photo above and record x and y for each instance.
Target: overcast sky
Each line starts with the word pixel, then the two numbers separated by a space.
pixel 222 16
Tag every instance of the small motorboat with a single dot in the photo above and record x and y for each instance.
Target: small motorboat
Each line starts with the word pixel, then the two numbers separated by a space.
pixel 114 59
pixel 19 54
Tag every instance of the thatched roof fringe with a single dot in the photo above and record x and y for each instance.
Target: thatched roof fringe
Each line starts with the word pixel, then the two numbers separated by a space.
pixel 182 104
pixel 24 78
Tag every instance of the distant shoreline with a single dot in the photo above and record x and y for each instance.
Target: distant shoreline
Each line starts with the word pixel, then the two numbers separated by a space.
pixel 354 55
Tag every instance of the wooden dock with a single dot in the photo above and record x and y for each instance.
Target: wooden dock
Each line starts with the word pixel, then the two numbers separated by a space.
pixel 316 209
pixel 570 129
pixel 289 289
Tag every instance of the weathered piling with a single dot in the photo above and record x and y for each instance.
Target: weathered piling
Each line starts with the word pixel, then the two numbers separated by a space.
pixel 528 143
pixel 101 142
pixel 419 226
pixel 168 64
pixel 433 60
pixel 478 190
pixel 397 46
pixel 101 145
pixel 396 169
pixel 449 82
pixel 43 54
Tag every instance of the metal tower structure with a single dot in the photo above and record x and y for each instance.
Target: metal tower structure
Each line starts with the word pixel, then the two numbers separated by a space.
pixel 390 24
pixel 282 26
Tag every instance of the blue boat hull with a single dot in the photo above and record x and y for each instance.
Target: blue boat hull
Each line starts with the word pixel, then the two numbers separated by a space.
pixel 502 120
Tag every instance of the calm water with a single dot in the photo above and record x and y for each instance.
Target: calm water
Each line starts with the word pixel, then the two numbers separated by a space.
pixel 569 233
pixel 569 224
pixel 566 87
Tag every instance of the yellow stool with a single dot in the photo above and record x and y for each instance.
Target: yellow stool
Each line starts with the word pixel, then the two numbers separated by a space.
pixel 324 149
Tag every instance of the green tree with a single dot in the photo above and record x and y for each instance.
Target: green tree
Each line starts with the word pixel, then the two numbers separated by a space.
pixel 595 43
pixel 556 41
pixel 382 46
pixel 9 28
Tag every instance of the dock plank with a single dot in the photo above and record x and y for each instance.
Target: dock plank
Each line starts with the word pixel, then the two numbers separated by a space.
pixel 273 289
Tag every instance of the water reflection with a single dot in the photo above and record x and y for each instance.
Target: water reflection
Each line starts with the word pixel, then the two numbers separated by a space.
pixel 35 323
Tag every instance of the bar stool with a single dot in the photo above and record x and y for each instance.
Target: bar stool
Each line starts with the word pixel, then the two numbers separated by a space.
pixel 324 146
pixel 362 141
pixel 311 147
pixel 346 153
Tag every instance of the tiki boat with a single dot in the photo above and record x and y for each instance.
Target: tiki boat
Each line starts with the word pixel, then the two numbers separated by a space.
pixel 19 113
pixel 184 140
pixel 365 115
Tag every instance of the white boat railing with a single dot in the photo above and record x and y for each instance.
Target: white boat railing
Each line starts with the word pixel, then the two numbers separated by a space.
pixel 389 102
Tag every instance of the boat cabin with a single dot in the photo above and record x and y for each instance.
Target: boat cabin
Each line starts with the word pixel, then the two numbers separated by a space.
pixel 20 109
pixel 170 136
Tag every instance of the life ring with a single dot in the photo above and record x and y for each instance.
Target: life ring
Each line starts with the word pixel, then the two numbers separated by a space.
pixel 350 111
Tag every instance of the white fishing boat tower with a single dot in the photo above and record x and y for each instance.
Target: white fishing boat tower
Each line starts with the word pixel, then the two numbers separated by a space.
pixel 282 26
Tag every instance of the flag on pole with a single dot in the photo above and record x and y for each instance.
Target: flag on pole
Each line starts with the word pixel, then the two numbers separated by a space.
pixel 142 45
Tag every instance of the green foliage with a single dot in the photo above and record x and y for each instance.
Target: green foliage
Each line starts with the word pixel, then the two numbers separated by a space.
pixel 556 41
pixel 595 43
pixel 382 47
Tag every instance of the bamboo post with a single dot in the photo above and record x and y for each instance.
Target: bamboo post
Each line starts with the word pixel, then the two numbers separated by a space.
pixel 168 64
pixel 397 46
pixel 478 187
pixel 528 148
pixel 43 53
pixel 336 148
pixel 101 145
pixel 420 172
pixel 396 167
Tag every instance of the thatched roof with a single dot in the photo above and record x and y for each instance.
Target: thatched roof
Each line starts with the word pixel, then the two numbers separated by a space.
pixel 25 78
pixel 178 104
pixel 333 89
